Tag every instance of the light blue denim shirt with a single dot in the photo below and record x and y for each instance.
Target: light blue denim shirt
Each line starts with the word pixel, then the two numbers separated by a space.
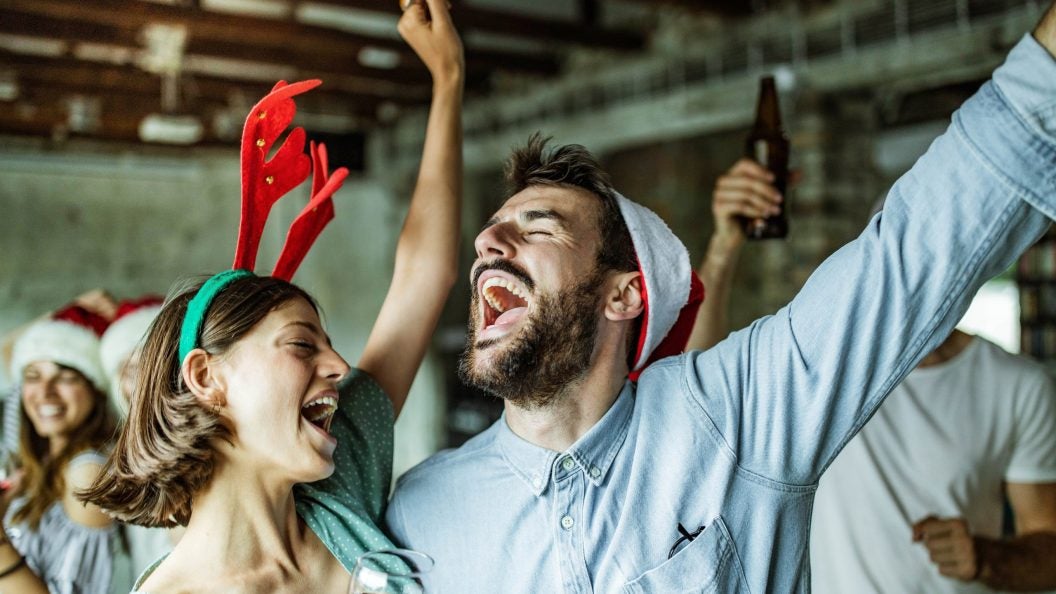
pixel 734 439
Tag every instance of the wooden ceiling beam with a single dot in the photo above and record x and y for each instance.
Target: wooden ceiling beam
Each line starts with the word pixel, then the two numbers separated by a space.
pixel 516 25
pixel 276 35
pixel 66 76
pixel 50 120
pixel 17 22
pixel 99 74
pixel 732 8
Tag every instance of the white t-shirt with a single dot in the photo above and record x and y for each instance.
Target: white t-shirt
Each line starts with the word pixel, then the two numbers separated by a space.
pixel 941 444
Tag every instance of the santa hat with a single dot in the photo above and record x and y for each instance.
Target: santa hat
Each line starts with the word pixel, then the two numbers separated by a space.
pixel 70 338
pixel 124 334
pixel 671 291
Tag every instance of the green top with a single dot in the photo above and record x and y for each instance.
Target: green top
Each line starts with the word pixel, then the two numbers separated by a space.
pixel 346 510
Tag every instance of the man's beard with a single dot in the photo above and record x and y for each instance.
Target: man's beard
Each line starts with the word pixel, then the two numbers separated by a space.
pixel 552 350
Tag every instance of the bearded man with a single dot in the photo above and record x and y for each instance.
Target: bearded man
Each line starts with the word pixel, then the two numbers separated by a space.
pixel 700 475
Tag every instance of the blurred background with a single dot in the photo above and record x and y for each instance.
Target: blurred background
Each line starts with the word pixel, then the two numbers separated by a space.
pixel 120 120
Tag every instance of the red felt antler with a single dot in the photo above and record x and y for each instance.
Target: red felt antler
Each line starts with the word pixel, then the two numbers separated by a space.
pixel 319 211
pixel 264 182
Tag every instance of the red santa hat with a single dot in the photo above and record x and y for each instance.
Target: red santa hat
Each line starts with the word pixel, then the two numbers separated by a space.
pixel 125 333
pixel 671 290
pixel 70 338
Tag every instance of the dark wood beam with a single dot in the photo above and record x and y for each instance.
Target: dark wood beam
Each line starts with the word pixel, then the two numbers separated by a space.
pixel 275 35
pixel 517 25
pixel 732 8
pixel 19 22
pixel 104 80
pixel 49 121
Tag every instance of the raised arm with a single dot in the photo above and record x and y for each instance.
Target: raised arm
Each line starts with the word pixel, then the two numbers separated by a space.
pixel 1046 31
pixel 427 251
pixel 790 390
pixel 743 191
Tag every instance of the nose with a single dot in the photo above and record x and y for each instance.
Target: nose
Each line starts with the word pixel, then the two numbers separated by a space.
pixel 497 240
pixel 334 367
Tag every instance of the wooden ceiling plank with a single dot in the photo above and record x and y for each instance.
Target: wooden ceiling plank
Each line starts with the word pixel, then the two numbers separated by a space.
pixel 518 25
pixel 24 23
pixel 104 80
pixel 733 8
pixel 278 35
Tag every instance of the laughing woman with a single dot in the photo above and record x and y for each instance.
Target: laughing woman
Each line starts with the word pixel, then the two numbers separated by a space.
pixel 258 436
pixel 51 542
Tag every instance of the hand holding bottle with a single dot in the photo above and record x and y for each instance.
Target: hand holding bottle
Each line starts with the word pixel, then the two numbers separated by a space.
pixel 745 191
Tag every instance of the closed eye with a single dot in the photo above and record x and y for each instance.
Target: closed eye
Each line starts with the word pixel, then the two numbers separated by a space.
pixel 303 346
pixel 538 232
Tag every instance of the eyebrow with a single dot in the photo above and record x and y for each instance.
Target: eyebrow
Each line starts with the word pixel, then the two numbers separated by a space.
pixel 547 214
pixel 312 327
pixel 532 215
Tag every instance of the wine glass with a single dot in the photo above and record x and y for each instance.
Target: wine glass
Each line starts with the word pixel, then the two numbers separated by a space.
pixel 393 571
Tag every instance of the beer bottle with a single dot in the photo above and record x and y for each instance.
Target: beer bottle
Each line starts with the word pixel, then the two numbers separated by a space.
pixel 768 146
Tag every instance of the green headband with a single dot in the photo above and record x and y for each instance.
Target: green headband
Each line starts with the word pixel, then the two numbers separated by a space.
pixel 194 318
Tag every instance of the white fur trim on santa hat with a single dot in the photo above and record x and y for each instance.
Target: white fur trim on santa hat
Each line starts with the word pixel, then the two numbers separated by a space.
pixel 120 339
pixel 664 263
pixel 61 342
pixel 123 336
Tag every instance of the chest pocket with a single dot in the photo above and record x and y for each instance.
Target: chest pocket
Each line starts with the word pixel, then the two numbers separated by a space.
pixel 708 564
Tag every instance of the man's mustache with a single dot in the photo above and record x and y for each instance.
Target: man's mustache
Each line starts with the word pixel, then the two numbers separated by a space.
pixel 502 266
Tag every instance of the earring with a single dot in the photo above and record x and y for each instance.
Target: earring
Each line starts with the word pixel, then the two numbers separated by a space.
pixel 217 407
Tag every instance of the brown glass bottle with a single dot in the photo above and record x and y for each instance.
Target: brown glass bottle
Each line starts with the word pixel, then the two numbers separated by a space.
pixel 768 146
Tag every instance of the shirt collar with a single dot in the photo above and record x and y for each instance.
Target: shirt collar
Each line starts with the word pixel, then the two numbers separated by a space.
pixel 593 453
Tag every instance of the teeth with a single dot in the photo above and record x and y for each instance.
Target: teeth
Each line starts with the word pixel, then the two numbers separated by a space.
pixel 327 405
pixel 49 410
pixel 496 281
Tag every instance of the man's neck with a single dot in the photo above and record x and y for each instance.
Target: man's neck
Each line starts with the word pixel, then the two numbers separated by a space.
pixel 572 412
pixel 950 348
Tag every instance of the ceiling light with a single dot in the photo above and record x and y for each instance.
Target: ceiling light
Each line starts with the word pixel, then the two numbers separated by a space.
pixel 8 85
pixel 376 57
pixel 171 129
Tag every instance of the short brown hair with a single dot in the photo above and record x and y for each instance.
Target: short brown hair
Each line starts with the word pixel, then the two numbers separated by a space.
pixel 535 164
pixel 164 453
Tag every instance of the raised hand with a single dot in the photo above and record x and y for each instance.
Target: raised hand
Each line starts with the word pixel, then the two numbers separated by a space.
pixel 426 26
pixel 99 302
pixel 1046 31
pixel 745 191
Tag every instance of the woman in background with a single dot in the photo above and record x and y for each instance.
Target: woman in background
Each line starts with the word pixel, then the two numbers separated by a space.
pixel 53 542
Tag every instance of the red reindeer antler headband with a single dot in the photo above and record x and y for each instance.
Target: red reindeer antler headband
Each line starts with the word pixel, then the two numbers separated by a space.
pixel 263 183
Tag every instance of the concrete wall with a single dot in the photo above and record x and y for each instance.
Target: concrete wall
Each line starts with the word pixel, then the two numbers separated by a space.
pixel 78 219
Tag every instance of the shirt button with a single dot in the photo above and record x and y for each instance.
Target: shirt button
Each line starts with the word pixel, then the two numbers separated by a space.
pixel 567 463
pixel 537 482
pixel 567 522
pixel 595 472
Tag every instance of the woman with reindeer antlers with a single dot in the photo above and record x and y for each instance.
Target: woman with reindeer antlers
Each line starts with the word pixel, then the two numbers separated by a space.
pixel 245 425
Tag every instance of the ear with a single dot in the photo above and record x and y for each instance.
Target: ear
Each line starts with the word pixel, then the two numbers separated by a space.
pixel 199 373
pixel 624 299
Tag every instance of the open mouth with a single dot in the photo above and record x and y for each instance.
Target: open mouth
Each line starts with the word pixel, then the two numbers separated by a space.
pixel 320 412
pixel 505 301
pixel 47 411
